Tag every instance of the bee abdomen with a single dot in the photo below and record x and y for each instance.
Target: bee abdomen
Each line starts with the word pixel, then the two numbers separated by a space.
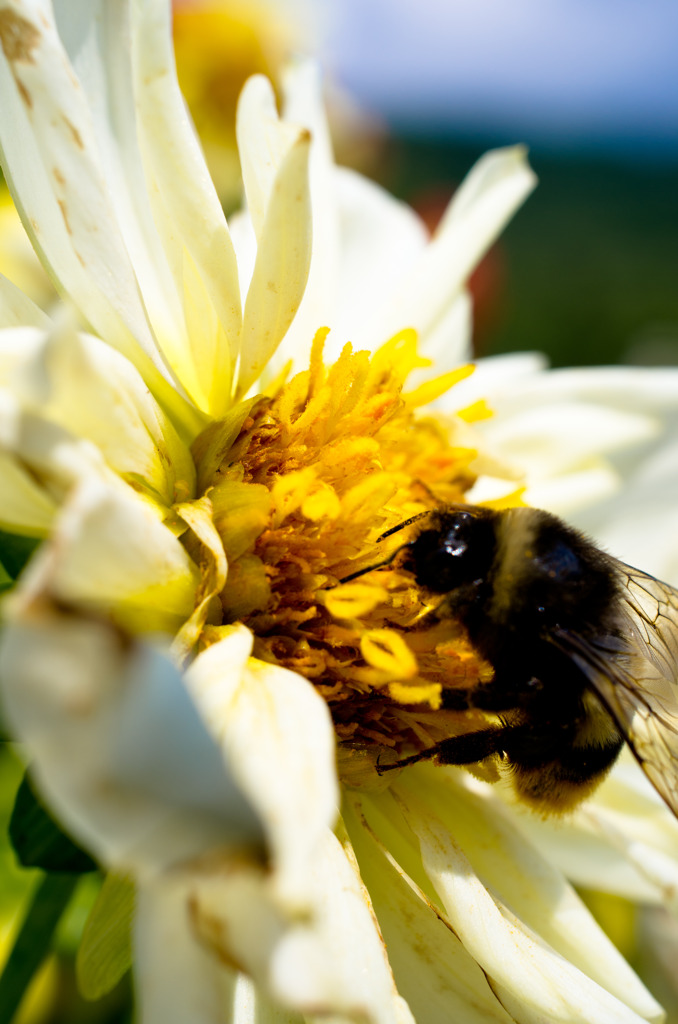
pixel 555 774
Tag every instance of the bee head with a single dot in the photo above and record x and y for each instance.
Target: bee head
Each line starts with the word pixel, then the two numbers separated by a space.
pixel 456 548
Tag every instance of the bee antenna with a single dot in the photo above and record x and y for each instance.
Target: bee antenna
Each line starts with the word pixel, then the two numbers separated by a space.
pixel 369 568
pixel 401 526
pixel 387 561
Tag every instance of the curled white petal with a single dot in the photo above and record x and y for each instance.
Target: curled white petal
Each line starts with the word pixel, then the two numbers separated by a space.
pixel 51 158
pixel 334 962
pixel 116 744
pixel 281 266
pixel 433 971
pixel 41 462
pixel 264 142
pixel 530 953
pixel 303 104
pixel 259 713
pixel 109 552
pixel 85 386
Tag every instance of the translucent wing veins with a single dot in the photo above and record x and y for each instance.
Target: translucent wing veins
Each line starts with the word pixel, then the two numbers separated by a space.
pixel 635 672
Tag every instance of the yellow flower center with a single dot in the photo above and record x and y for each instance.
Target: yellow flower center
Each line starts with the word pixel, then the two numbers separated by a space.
pixel 300 497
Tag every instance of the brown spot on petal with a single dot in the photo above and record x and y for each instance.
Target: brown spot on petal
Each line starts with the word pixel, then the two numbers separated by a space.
pixel 25 95
pixel 75 134
pixel 213 933
pixel 18 37
pixel 58 176
pixel 64 214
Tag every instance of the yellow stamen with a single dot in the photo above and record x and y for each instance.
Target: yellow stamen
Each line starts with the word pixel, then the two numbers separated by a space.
pixel 310 479
pixel 476 411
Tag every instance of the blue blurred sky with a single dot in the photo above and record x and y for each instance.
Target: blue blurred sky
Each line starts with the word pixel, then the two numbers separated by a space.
pixel 574 73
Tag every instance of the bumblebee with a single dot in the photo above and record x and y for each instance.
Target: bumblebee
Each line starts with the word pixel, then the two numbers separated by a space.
pixel 584 651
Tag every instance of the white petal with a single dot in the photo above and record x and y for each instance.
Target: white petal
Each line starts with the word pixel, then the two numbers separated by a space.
pixel 116 743
pixel 96 35
pixel 18 259
pixel 573 494
pixel 603 846
pixel 436 975
pixel 304 105
pixel 585 440
pixel 332 963
pixel 638 526
pixel 91 390
pixel 380 240
pixel 281 267
pixel 264 142
pixel 535 437
pixel 17 310
pixel 532 979
pixel 56 172
pixel 496 378
pixel 178 171
pixel 17 344
pixel 278 735
pixel 199 516
pixel 635 389
pixel 110 552
pixel 448 345
pixel 41 463
pixel 51 158
pixel 176 979
pixel 245 243
pixel 340 961
pixel 252 1006
pixel 522 880
pixel 493 190
pixel 24 506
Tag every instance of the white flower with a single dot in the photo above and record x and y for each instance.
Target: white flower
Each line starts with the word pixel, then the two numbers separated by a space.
pixel 190 526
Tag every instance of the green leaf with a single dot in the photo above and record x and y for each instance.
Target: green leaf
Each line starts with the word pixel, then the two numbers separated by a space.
pixel 6 580
pixel 34 940
pixel 39 842
pixel 105 952
pixel 15 552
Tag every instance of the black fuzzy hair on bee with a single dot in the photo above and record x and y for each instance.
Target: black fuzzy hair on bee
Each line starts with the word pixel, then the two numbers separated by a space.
pixel 584 650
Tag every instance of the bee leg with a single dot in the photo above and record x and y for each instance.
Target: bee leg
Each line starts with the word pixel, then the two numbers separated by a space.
pixel 465 749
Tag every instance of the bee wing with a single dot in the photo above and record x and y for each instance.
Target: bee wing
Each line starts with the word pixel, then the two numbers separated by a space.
pixel 636 674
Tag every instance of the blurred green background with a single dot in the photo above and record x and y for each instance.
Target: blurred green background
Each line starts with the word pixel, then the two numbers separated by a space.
pixel 587 271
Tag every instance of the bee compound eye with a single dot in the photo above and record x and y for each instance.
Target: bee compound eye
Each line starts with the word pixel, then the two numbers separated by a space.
pixel 455 546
